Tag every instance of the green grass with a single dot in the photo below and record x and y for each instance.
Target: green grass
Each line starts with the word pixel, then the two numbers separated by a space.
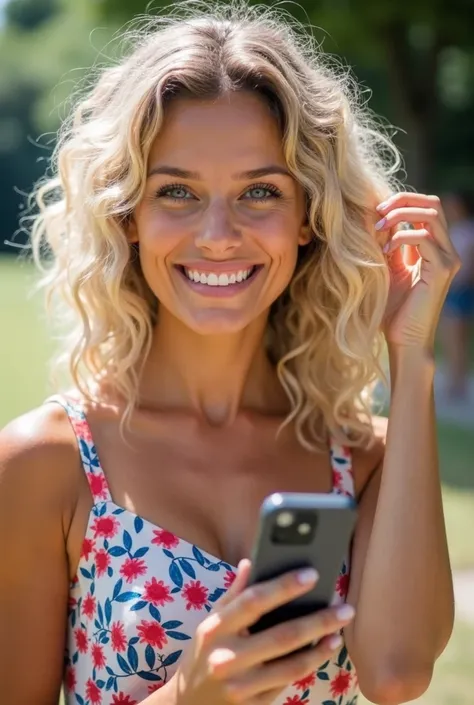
pixel 24 352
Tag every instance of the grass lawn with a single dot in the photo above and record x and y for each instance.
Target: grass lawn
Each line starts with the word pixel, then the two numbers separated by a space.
pixel 24 352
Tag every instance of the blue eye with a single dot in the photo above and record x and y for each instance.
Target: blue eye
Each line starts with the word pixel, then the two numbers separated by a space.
pixel 260 192
pixel 177 192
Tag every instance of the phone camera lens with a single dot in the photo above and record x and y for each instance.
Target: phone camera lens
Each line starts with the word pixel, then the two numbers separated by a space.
pixel 284 519
pixel 304 528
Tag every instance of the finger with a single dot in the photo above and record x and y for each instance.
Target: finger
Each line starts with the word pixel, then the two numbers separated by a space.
pixel 257 600
pixel 239 584
pixel 280 640
pixel 417 215
pixel 406 200
pixel 416 241
pixel 279 674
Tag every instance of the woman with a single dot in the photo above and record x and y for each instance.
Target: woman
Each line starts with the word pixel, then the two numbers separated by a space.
pixel 225 268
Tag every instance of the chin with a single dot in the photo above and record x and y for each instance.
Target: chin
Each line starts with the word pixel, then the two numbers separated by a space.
pixel 212 322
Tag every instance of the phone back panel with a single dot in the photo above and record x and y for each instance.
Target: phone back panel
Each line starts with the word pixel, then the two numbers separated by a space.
pixel 335 517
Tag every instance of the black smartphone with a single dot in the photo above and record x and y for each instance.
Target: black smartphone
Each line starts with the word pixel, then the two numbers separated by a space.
pixel 301 530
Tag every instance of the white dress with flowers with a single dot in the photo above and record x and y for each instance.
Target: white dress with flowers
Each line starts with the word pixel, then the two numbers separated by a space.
pixel 140 592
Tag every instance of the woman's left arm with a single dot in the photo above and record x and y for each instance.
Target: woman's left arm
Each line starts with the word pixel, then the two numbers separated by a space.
pixel 401 581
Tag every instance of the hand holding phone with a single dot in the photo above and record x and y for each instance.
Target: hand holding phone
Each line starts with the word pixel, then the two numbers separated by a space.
pixel 281 620
pixel 223 665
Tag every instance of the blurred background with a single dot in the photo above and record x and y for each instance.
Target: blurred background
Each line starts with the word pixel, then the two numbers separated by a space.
pixel 417 58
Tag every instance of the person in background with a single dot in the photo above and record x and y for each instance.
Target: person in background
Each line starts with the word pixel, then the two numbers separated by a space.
pixel 220 237
pixel 457 323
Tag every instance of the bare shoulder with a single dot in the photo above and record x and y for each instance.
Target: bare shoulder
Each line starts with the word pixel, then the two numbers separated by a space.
pixel 38 461
pixel 366 461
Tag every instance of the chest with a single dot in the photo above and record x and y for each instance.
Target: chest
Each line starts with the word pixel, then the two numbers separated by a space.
pixel 206 485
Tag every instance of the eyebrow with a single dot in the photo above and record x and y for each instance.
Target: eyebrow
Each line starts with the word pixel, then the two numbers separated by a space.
pixel 194 175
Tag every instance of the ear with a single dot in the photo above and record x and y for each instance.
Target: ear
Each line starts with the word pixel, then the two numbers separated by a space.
pixel 305 234
pixel 131 230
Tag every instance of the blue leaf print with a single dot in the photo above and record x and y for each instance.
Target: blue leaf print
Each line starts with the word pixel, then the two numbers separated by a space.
pixel 226 566
pixel 109 671
pixel 141 552
pixel 322 675
pixel 175 590
pixel 110 683
pixel 342 657
pixel 117 551
pixel 341 461
pixel 216 594
pixel 146 675
pixel 86 574
pixel 132 657
pixel 92 588
pixel 198 555
pixel 127 540
pixel 73 619
pixel 349 666
pixel 119 510
pixel 117 588
pixel 108 610
pixel 172 624
pixel 172 658
pixel 155 613
pixel 138 606
pixel 324 666
pixel 93 570
pixel 100 613
pixel 150 656
pixel 138 524
pixel 97 624
pixel 126 596
pixel 134 640
pixel 305 694
pixel 329 702
pixel 75 657
pixel 187 567
pixel 178 635
pixel 102 510
pixel 168 554
pixel 106 544
pixel 79 700
pixel 175 575
pixel 123 665
pixel 214 567
pixel 104 639
pixel 208 608
pixel 110 571
pixel 100 683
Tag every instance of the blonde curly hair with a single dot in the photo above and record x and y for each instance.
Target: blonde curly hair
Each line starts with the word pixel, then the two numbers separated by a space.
pixel 324 332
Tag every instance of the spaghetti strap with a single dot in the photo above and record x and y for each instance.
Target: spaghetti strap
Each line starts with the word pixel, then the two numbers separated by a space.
pixel 341 464
pixel 94 472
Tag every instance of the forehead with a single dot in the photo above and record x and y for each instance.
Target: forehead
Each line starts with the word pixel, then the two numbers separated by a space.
pixel 235 126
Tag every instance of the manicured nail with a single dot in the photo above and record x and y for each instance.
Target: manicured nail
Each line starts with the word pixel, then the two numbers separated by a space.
pixel 334 642
pixel 381 206
pixel 345 613
pixel 386 247
pixel 307 576
pixel 380 224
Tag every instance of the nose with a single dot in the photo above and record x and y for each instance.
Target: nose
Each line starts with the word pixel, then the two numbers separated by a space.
pixel 218 233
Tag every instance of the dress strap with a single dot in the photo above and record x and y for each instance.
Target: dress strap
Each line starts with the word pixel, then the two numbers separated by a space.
pixel 95 475
pixel 341 463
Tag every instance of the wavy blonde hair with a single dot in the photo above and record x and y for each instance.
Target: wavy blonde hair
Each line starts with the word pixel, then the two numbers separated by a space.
pixel 324 333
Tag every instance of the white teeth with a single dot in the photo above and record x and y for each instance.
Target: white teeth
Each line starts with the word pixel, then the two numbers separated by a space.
pixel 213 279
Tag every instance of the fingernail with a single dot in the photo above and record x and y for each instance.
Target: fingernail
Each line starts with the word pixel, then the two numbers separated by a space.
pixel 307 576
pixel 345 613
pixel 335 641
pixel 380 224
pixel 381 206
pixel 386 247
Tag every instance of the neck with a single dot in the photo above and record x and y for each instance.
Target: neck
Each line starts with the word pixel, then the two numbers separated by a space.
pixel 214 375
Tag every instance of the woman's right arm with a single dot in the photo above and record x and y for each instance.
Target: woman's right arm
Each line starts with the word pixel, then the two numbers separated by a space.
pixel 38 480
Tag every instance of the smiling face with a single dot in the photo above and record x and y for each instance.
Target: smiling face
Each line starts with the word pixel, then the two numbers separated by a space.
pixel 221 218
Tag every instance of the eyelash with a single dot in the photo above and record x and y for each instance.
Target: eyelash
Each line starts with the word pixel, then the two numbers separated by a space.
pixel 163 191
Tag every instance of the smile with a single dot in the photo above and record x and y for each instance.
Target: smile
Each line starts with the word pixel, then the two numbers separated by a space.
pixel 216 279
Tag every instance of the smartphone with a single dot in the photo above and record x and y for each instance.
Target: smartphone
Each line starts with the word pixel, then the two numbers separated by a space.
pixel 300 530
